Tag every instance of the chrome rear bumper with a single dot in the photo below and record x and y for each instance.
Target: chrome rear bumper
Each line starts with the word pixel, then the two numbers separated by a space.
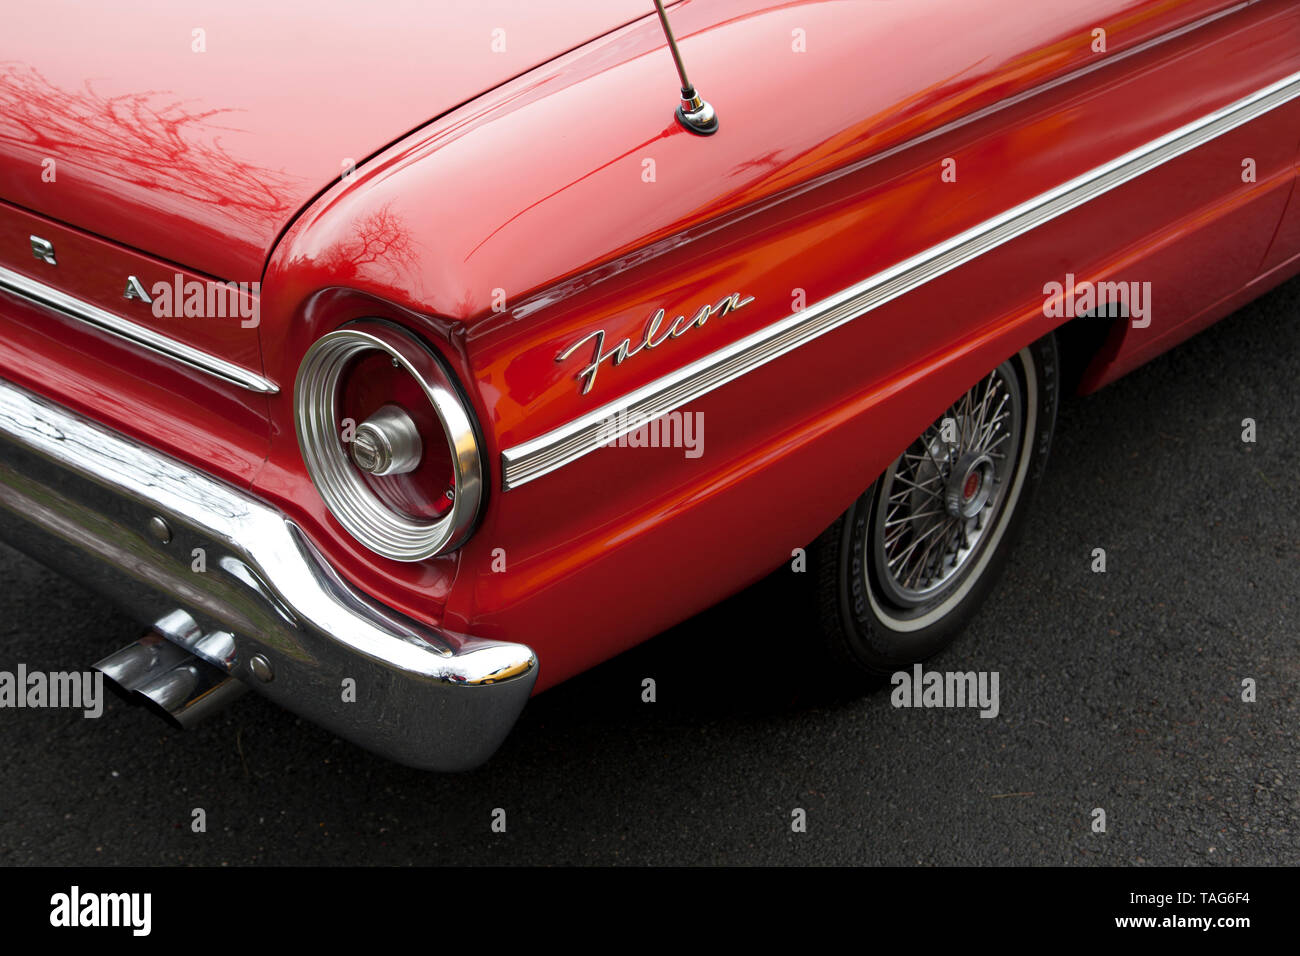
pixel 97 506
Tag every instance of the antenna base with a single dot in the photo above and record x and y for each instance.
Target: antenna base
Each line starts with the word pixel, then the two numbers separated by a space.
pixel 696 114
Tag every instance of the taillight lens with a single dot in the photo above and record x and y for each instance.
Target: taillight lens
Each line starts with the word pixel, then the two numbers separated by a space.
pixel 387 441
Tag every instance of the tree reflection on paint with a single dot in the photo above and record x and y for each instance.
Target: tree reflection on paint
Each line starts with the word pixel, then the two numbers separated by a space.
pixel 150 139
pixel 378 244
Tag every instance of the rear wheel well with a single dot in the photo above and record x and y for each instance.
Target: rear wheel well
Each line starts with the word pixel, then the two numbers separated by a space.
pixel 1088 341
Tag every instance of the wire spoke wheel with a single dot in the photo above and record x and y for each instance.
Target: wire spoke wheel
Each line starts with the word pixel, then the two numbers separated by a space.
pixel 899 574
pixel 939 501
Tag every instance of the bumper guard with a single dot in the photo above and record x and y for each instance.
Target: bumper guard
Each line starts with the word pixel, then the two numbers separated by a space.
pixel 126 520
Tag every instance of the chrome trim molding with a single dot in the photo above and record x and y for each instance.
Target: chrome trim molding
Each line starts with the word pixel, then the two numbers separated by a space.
pixel 79 497
pixel 532 459
pixel 38 293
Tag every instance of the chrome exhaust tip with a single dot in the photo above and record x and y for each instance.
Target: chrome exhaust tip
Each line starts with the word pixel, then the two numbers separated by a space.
pixel 189 692
pixel 141 662
pixel 174 683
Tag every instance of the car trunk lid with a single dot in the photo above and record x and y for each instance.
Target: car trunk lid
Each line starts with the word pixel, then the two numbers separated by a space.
pixel 195 133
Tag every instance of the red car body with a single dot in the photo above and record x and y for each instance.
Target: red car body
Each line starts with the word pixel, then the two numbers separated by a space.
pixel 504 205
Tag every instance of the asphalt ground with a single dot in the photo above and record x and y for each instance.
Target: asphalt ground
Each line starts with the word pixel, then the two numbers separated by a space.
pixel 1120 691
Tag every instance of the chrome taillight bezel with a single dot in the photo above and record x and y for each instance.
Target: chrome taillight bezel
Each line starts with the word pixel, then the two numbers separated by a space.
pixel 350 500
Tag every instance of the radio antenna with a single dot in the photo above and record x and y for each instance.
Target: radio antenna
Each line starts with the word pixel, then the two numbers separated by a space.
pixel 694 113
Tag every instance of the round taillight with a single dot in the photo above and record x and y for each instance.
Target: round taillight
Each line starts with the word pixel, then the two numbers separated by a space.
pixel 387 441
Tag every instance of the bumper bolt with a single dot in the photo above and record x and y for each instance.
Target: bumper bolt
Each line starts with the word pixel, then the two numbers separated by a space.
pixel 160 529
pixel 261 668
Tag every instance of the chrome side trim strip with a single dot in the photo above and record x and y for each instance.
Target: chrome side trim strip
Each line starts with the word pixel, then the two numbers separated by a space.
pixel 48 297
pixel 554 449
